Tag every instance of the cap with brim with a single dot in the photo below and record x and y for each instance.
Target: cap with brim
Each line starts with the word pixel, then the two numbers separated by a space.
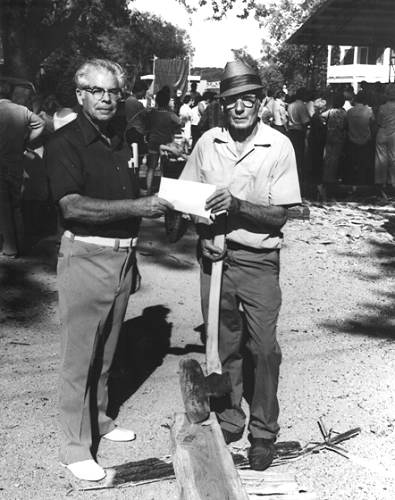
pixel 239 78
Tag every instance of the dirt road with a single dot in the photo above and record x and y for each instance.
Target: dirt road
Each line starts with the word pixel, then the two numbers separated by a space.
pixel 336 331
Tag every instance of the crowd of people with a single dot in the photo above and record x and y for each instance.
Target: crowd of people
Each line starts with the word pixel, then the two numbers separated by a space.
pixel 338 136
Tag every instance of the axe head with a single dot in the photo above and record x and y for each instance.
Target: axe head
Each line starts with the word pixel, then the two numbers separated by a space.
pixel 218 384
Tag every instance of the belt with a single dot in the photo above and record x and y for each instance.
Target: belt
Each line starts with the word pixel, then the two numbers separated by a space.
pixel 105 242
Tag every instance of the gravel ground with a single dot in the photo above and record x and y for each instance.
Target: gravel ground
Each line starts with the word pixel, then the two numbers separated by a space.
pixel 336 331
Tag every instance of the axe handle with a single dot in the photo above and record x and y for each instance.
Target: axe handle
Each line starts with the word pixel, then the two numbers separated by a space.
pixel 213 362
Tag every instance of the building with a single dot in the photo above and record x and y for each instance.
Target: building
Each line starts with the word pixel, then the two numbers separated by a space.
pixel 358 31
pixel 351 65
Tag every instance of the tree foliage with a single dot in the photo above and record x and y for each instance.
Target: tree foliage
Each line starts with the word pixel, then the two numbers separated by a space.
pixel 299 65
pixel 59 34
pixel 132 44
pixel 32 29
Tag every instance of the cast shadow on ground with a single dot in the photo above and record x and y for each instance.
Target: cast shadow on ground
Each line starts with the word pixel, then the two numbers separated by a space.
pixel 191 348
pixel 377 319
pixel 143 344
pixel 24 298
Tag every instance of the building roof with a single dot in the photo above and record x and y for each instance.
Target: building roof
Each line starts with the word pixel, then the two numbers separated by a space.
pixel 349 22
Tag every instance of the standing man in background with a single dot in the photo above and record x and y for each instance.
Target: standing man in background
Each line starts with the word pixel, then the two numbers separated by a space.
pixel 97 191
pixel 254 169
pixel 298 120
pixel 18 126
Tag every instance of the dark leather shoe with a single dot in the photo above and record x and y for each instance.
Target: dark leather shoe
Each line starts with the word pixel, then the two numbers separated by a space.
pixel 261 453
pixel 231 437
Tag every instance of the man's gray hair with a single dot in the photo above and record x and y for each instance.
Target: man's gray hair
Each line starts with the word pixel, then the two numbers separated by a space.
pixel 81 75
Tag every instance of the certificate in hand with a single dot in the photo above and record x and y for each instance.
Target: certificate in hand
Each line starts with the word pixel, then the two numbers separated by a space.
pixel 186 196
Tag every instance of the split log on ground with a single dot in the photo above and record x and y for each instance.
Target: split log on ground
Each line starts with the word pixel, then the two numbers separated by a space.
pixel 202 463
pixel 194 391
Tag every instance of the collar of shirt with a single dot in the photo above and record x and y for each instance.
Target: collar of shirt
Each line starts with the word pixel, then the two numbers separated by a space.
pixel 91 133
pixel 260 139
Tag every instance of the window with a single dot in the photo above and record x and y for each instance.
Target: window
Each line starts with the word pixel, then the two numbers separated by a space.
pixel 348 57
pixel 362 57
pixel 335 55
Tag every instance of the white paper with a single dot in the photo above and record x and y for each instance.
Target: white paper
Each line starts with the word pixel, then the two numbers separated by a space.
pixel 186 196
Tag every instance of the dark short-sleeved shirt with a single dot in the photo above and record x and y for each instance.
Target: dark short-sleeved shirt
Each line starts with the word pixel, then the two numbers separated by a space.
pixel 80 161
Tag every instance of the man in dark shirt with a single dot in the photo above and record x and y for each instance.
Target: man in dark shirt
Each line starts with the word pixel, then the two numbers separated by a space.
pixel 95 185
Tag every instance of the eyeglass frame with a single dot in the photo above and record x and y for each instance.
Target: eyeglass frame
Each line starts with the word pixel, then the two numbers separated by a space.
pixel 110 92
pixel 230 105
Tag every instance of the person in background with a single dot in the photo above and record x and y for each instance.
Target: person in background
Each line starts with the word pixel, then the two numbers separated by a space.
pixel 88 164
pixel 280 115
pixel 195 119
pixel 348 97
pixel 316 143
pixel 67 103
pixel 385 146
pixel 213 115
pixel 18 126
pixel 309 99
pixel 334 120
pixel 298 120
pixel 178 101
pixel 185 114
pixel 360 123
pixel 48 109
pixel 22 95
pixel 161 125
pixel 195 95
pixel 267 108
pixel 254 169
pixel 136 119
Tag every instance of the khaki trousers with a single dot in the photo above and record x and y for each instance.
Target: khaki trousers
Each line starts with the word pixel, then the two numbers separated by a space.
pixel 94 285
pixel 247 340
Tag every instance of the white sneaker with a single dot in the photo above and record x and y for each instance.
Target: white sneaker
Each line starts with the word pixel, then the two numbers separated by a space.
pixel 88 470
pixel 118 434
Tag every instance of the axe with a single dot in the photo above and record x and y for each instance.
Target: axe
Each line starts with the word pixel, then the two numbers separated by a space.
pixel 196 389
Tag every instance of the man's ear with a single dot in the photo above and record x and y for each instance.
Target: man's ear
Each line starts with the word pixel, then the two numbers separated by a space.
pixel 78 93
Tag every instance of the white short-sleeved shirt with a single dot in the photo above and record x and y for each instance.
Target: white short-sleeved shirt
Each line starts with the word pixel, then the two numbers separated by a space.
pixel 265 174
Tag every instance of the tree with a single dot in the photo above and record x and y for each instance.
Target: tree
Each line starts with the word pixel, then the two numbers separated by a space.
pixel 300 65
pixel 145 36
pixel 133 45
pixel 131 38
pixel 32 29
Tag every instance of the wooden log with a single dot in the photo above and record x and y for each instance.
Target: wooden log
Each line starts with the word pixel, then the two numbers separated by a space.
pixel 202 463
pixel 194 391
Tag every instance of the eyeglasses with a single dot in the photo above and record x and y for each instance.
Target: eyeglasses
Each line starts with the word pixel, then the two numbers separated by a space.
pixel 98 92
pixel 247 100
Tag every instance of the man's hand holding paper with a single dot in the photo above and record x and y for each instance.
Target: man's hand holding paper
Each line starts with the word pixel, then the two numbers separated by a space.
pixel 188 196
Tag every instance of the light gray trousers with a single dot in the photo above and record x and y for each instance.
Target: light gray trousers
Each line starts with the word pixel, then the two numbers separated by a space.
pixel 94 286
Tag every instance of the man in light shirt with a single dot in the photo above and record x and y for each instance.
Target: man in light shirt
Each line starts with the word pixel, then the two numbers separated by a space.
pixel 254 169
